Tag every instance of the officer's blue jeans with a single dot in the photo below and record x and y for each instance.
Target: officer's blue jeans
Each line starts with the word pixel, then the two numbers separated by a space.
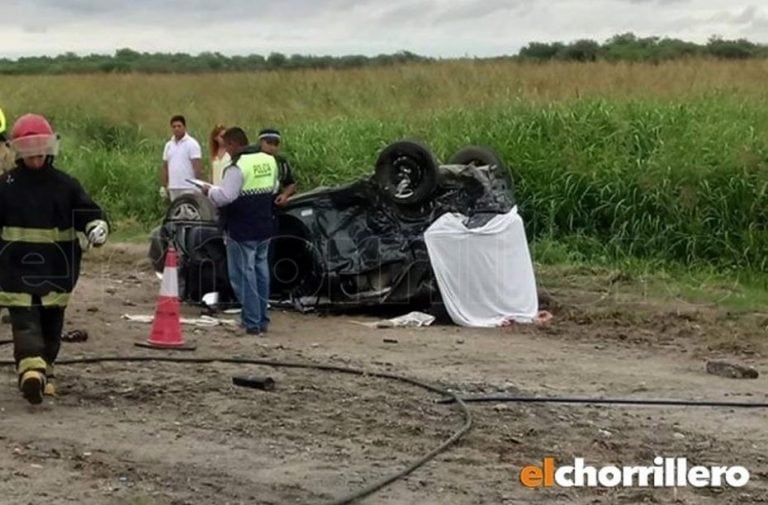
pixel 248 268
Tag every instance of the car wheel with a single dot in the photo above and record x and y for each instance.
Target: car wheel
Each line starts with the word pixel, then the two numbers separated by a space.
pixel 482 156
pixel 407 172
pixel 157 247
pixel 191 207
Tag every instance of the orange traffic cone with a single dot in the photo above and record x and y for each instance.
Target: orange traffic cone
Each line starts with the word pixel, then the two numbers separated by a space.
pixel 166 327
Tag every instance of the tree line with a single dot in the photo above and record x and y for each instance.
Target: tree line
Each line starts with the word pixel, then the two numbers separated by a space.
pixel 623 47
pixel 130 61
pixel 629 47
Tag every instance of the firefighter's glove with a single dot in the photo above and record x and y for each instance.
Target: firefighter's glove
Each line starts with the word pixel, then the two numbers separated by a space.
pixel 97 232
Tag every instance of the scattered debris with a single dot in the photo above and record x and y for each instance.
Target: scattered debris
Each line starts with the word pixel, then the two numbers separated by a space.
pixel 254 382
pixel 731 371
pixel 410 320
pixel 75 336
pixel 413 319
pixel 390 341
pixel 205 321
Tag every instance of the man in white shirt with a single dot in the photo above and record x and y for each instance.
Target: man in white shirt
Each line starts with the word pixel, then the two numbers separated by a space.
pixel 182 160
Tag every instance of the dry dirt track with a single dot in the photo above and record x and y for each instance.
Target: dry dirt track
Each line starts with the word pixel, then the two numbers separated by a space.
pixel 171 434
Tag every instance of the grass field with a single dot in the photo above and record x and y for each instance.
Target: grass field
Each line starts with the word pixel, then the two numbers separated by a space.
pixel 665 161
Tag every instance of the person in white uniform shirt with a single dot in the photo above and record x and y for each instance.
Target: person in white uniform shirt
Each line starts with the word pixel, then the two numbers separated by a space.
pixel 182 160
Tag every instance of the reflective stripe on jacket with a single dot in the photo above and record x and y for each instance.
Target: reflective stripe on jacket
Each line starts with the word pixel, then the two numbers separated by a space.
pixel 41 212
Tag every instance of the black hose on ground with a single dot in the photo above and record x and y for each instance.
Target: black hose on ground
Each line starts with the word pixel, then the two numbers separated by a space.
pixel 351 497
pixel 451 398
pixel 501 398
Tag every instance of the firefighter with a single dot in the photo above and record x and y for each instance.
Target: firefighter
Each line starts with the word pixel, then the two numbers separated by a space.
pixel 7 162
pixel 6 155
pixel 41 211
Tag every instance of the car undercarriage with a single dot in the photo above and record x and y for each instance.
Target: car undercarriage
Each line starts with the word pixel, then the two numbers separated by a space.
pixel 355 245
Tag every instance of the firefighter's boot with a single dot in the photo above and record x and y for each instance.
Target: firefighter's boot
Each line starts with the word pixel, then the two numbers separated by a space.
pixel 32 379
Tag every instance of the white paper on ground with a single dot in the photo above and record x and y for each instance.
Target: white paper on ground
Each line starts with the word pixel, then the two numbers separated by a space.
pixel 410 320
pixel 206 321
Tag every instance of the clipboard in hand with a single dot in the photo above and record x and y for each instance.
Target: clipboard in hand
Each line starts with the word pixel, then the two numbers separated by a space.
pixel 197 182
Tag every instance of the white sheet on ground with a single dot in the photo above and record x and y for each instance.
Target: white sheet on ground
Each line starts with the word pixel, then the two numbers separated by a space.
pixel 485 274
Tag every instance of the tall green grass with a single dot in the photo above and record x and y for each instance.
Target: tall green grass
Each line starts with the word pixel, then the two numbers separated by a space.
pixel 667 162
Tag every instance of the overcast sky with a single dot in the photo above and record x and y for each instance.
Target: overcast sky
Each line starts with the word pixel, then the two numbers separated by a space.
pixel 431 27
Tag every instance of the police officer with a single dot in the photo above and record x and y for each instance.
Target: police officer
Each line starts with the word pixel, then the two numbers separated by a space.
pixel 269 142
pixel 246 197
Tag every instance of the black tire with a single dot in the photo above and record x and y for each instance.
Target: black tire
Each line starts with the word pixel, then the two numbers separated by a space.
pixel 191 207
pixel 158 245
pixel 481 156
pixel 407 172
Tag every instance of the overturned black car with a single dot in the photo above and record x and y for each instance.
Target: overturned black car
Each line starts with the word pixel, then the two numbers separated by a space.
pixel 355 245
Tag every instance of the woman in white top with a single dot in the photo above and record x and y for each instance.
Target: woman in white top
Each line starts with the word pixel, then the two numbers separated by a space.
pixel 219 157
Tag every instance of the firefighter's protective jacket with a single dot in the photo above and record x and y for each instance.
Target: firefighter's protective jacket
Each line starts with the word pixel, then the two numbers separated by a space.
pixel 41 212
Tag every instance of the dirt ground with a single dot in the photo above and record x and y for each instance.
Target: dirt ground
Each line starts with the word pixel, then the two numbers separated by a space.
pixel 166 434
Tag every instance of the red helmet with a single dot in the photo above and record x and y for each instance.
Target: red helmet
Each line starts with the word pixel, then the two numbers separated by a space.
pixel 32 135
